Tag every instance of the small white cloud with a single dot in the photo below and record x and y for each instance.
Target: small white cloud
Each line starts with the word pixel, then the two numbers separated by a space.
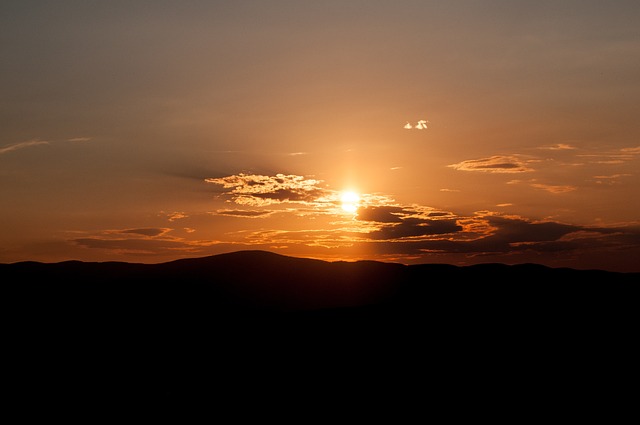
pixel 420 125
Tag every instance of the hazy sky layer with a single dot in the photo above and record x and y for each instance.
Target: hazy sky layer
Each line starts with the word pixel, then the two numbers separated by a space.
pixel 466 131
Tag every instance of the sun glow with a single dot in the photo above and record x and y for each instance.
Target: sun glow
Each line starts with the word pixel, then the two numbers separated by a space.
pixel 350 201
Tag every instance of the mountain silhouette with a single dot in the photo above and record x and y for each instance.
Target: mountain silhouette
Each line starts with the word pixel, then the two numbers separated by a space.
pixel 191 327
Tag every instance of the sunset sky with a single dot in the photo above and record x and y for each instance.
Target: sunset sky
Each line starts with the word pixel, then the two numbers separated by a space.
pixel 406 131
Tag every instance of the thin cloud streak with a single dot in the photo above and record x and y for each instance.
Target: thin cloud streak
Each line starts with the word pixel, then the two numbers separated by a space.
pixel 244 213
pixel 553 188
pixel 22 145
pixel 558 147
pixel 494 164
pixel 147 231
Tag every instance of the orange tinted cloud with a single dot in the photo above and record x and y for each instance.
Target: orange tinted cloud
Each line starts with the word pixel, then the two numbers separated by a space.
pixel 494 164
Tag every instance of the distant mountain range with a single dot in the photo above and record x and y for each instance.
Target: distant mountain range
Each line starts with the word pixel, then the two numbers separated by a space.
pixel 261 282
pixel 252 313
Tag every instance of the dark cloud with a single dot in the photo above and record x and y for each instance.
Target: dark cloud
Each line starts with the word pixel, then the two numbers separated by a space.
pixel 244 213
pixel 514 236
pixel 288 195
pixel 519 230
pixel 147 231
pixel 138 245
pixel 380 214
pixel 438 214
pixel 414 227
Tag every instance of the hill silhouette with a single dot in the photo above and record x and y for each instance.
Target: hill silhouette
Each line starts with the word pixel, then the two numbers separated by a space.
pixel 187 327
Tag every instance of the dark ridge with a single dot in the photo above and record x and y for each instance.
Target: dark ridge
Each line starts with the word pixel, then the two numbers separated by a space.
pixel 194 327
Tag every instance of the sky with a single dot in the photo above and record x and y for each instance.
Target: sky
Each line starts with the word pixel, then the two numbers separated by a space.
pixel 407 131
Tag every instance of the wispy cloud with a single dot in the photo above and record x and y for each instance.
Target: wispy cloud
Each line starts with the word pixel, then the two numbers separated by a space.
pixel 494 164
pixel 558 147
pixel 177 215
pixel 553 188
pixel 613 157
pixel 633 151
pixel 610 179
pixel 22 145
pixel 79 139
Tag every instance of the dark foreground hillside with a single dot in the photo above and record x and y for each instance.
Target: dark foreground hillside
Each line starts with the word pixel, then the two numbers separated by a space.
pixel 234 325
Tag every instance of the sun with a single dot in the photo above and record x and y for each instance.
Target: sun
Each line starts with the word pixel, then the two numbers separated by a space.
pixel 350 201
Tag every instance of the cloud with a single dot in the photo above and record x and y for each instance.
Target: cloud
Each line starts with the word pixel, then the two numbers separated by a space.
pixel 494 164
pixel 380 214
pixel 244 213
pixel 136 245
pixel 610 180
pixel 439 214
pixel 21 145
pixel 259 190
pixel 176 216
pixel 517 237
pixel 420 125
pixel 618 156
pixel 147 231
pixel 35 142
pixel 613 176
pixel 553 188
pixel 415 227
pixel 156 242
pixel 634 151
pixel 558 147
